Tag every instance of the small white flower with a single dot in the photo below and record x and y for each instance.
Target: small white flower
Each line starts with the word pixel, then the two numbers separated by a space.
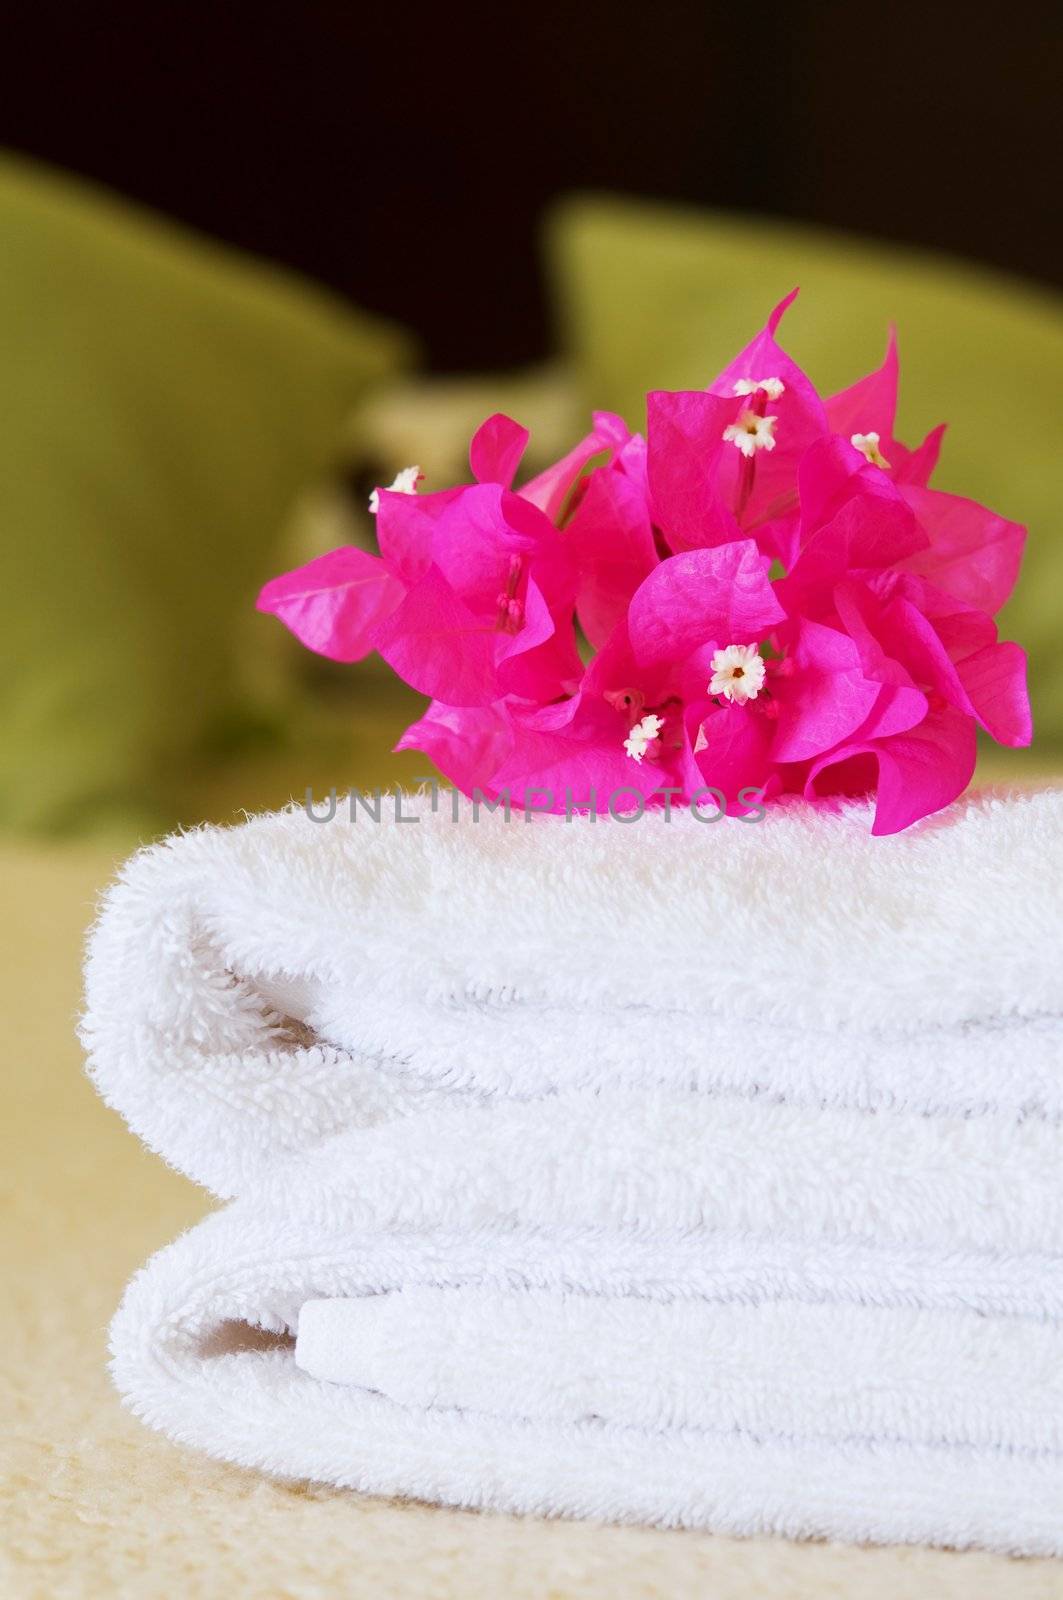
pixel 772 387
pixel 642 735
pixel 737 673
pixel 867 444
pixel 406 482
pixel 751 433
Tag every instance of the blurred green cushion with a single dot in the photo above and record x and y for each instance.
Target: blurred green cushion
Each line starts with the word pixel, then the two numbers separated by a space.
pixel 162 402
pixel 658 297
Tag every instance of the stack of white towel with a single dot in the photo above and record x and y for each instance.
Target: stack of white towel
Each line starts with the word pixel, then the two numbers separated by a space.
pixel 699 1174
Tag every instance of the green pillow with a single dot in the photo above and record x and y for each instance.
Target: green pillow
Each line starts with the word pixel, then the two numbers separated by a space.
pixel 162 402
pixel 658 297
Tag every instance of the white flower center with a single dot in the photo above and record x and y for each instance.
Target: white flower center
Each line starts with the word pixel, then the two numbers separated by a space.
pixel 737 673
pixel 751 433
pixel 867 444
pixel 405 482
pixel 642 736
pixel 772 387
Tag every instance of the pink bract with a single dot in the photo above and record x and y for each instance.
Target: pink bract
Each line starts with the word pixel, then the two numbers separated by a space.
pixel 759 526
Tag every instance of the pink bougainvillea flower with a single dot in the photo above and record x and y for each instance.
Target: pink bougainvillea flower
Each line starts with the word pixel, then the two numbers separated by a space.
pixel 702 494
pixel 867 411
pixel 472 596
pixel 766 381
pixel 821 692
pixel 941 670
pixel 853 517
pixel 492 612
pixel 658 659
pixel 953 649
pixel 866 666
pixel 722 461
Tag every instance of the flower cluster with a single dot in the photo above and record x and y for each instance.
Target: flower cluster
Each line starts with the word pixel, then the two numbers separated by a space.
pixel 774 601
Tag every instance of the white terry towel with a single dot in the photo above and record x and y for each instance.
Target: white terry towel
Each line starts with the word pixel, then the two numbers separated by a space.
pixel 738 1143
pixel 643 1306
pixel 252 992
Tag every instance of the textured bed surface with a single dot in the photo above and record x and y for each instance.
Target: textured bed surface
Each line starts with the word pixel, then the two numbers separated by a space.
pixel 91 1503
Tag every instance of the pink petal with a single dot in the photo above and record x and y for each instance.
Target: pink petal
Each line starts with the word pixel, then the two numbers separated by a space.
pixel 860 612
pixel 961 628
pixel 873 528
pixel 471 546
pixel 496 449
pixel 586 772
pixel 900 705
pixel 540 661
pixel 438 646
pixel 632 460
pixel 615 669
pixel 915 466
pixel 989 683
pixel 764 358
pixel 925 770
pixel 405 527
pixel 478 534
pixel 780 310
pixel 802 419
pixel 919 772
pixel 550 489
pixel 334 604
pixel 466 743
pixel 824 696
pixel 870 404
pixel 825 479
pixel 685 446
pixel 994 680
pixel 833 473
pixel 974 554
pixel 898 708
pixel 735 752
pixel 612 430
pixel 721 594
pixel 611 542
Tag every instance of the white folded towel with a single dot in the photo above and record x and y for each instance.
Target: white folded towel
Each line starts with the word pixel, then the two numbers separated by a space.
pixel 253 991
pixel 700 1174
pixel 714 1314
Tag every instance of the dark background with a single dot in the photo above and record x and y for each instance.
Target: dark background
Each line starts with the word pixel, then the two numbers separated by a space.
pixel 402 154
